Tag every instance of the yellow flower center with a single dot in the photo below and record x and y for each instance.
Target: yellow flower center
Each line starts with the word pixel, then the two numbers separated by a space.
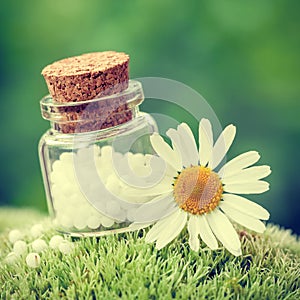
pixel 197 190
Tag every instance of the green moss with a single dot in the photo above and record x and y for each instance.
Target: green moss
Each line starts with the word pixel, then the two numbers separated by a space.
pixel 125 266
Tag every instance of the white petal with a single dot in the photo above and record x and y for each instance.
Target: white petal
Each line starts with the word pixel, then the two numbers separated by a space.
pixel 222 145
pixel 255 187
pixel 172 231
pixel 249 174
pixel 243 219
pixel 156 209
pixel 165 151
pixel 237 252
pixel 224 231
pixel 160 188
pixel 180 139
pixel 188 141
pixel 206 234
pixel 238 163
pixel 194 231
pixel 246 206
pixel 156 230
pixel 205 141
pixel 177 145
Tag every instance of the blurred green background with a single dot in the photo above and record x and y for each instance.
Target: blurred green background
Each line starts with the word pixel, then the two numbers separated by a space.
pixel 242 56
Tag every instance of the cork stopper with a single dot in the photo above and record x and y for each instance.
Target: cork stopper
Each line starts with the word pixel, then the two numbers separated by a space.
pixel 87 76
pixel 81 89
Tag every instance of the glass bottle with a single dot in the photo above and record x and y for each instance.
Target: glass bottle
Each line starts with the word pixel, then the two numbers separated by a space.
pixel 88 158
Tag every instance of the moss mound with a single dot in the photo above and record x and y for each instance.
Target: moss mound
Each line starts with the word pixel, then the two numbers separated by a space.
pixel 125 266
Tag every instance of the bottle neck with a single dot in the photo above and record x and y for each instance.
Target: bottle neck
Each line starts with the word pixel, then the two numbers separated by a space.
pixel 96 114
pixel 102 123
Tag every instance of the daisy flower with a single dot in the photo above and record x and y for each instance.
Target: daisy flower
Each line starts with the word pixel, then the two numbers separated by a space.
pixel 204 193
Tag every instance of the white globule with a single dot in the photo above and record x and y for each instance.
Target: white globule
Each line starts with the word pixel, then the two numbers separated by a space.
pixel 39 245
pixel 20 247
pixel 93 222
pixel 15 235
pixel 70 203
pixel 11 258
pixel 107 222
pixel 66 247
pixel 55 241
pixel 72 208
pixel 33 260
pixel 36 230
pixel 139 163
pixel 79 222
pixel 113 184
pixel 65 220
